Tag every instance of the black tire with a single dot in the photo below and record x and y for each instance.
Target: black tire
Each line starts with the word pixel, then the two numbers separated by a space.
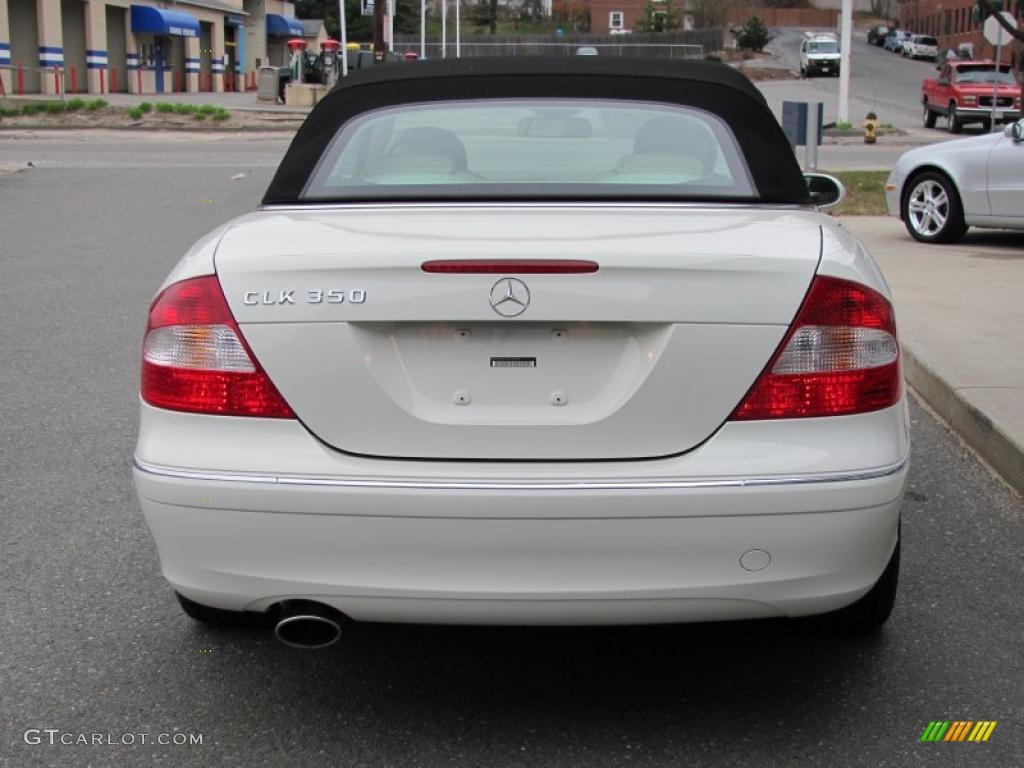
pixel 952 227
pixel 870 613
pixel 219 617
pixel 929 116
pixel 953 123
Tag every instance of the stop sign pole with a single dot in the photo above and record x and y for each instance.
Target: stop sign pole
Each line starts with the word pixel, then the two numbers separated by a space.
pixel 996 34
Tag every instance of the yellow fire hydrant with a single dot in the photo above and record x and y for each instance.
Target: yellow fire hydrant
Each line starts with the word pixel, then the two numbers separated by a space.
pixel 870 128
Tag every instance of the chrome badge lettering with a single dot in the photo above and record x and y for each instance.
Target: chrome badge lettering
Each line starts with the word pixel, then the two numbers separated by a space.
pixel 311 296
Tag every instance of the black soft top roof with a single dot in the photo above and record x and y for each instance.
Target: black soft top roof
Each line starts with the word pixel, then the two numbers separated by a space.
pixel 714 87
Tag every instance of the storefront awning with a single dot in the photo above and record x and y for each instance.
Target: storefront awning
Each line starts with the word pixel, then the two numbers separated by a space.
pixel 159 21
pixel 283 26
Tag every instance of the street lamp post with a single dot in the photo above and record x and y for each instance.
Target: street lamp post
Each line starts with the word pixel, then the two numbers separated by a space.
pixel 845 41
pixel 343 38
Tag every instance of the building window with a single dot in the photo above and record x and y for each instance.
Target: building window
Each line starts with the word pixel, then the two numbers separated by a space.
pixel 615 20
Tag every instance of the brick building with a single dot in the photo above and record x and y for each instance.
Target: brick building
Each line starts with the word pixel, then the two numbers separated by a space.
pixel 611 17
pixel 950 21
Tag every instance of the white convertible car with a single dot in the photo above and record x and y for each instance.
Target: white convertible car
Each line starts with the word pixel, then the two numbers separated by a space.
pixel 535 341
pixel 942 189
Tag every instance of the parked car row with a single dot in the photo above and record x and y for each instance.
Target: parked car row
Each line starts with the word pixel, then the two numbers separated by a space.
pixel 904 42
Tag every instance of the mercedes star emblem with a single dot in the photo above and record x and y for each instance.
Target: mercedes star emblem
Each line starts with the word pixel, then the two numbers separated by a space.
pixel 510 297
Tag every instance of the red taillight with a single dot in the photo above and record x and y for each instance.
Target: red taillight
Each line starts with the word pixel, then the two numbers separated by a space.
pixel 510 266
pixel 839 357
pixel 194 357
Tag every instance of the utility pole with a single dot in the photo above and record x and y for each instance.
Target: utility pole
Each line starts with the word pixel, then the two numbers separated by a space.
pixel 391 26
pixel 458 30
pixel 343 38
pixel 444 29
pixel 845 43
pixel 423 29
pixel 378 30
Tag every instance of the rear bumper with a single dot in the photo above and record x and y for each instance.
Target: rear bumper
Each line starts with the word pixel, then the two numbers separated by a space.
pixel 566 555
pixel 249 512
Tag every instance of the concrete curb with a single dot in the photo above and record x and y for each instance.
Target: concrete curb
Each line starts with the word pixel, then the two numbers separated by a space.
pixel 986 438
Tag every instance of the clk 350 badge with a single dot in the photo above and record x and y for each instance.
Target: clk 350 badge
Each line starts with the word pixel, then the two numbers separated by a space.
pixel 354 296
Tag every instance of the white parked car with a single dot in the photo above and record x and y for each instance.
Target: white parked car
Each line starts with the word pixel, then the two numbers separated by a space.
pixel 921 47
pixel 942 189
pixel 528 341
pixel 819 54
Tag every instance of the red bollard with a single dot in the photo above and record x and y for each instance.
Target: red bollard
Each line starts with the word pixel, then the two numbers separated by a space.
pixel 177 81
pixel 21 80
pixel 139 73
pixel 74 80
pixel 56 80
pixel 103 84
pixel 113 79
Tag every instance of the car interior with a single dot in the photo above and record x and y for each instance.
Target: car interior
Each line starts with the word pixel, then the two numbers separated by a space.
pixel 546 146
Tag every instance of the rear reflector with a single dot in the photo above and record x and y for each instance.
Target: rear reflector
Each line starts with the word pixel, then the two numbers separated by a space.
pixel 195 359
pixel 840 357
pixel 510 266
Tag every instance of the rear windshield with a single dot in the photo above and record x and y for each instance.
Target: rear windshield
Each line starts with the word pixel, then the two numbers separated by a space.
pixel 925 40
pixel 823 46
pixel 530 148
pixel 984 73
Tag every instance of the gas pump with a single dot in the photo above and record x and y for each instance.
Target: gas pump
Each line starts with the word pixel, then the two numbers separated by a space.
pixel 330 62
pixel 297 62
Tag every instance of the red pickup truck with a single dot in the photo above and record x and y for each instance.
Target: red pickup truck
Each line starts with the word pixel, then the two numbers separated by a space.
pixel 963 93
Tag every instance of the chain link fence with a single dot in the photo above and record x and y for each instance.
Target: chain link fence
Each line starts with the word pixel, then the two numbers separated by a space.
pixel 694 44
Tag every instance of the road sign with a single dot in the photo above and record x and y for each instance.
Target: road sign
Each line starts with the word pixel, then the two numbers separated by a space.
pixel 994 31
pixel 794 121
pixel 366 7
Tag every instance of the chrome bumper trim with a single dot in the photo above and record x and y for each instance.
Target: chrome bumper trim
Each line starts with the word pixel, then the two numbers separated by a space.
pixel 561 485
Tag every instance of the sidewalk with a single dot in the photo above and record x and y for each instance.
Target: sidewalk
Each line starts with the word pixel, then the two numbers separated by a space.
pixel 960 313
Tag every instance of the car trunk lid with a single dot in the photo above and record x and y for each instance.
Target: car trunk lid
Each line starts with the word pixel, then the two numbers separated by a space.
pixel 646 356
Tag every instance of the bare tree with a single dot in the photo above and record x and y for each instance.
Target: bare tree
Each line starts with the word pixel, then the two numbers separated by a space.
pixel 710 13
pixel 882 9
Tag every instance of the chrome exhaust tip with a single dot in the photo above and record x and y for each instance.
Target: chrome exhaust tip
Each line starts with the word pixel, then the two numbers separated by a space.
pixel 309 625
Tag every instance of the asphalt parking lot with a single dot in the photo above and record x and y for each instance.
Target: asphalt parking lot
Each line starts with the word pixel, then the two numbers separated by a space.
pixel 92 641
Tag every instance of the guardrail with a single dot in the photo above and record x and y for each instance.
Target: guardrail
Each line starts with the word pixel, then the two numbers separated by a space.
pixel 475 48
pixel 19 71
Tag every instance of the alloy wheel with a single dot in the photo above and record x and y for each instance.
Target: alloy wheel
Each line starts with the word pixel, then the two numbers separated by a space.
pixel 928 208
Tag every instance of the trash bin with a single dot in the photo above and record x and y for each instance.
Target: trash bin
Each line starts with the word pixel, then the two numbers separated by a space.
pixel 270 83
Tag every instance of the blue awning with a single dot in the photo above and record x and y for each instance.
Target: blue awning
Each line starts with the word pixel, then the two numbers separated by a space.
pixel 159 21
pixel 283 26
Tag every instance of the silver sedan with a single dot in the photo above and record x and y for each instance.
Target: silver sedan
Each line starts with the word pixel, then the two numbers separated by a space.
pixel 942 189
